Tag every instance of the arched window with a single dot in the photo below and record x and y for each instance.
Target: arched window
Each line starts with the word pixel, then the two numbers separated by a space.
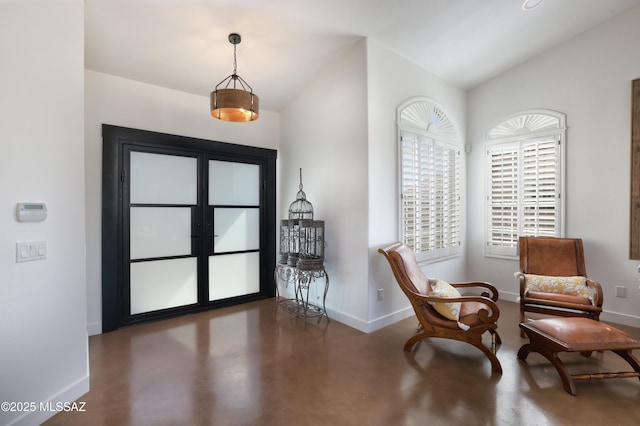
pixel 525 188
pixel 430 167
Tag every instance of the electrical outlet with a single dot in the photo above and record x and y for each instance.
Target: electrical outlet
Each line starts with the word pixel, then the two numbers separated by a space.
pixel 380 294
pixel 621 291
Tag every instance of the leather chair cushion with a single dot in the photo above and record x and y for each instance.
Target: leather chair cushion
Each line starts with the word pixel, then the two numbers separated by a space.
pixel 469 313
pixel 435 318
pixel 566 298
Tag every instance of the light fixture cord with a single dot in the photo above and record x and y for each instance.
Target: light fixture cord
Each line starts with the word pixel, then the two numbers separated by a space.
pixel 235 66
pixel 235 60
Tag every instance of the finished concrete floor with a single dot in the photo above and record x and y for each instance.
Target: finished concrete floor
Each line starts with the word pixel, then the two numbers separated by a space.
pixel 247 365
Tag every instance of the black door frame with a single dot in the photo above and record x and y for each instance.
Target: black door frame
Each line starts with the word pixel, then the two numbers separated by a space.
pixel 117 141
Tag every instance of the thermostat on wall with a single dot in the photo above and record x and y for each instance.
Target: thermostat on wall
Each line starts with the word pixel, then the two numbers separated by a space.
pixel 31 212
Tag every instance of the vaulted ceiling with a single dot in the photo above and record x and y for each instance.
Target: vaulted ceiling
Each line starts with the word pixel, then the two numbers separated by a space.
pixel 183 45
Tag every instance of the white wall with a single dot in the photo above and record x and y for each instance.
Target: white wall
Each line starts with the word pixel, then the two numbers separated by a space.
pixel 324 132
pixel 589 79
pixel 43 335
pixel 118 101
pixel 391 81
pixel 342 131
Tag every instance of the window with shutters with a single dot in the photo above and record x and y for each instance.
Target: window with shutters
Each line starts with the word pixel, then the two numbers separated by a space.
pixel 525 163
pixel 430 163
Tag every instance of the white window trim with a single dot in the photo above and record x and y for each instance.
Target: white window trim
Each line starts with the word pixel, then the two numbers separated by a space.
pixel 501 135
pixel 424 117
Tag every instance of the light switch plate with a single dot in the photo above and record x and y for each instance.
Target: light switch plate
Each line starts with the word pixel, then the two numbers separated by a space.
pixel 30 250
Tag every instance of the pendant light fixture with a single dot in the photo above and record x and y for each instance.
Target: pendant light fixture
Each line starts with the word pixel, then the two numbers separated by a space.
pixel 233 99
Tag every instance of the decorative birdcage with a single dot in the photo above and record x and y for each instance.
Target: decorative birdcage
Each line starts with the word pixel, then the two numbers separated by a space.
pixel 311 254
pixel 302 238
pixel 284 241
pixel 294 241
pixel 301 208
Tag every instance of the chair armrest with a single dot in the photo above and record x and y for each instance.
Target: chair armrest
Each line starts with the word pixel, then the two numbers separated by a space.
pixel 485 316
pixel 597 293
pixel 523 285
pixel 493 291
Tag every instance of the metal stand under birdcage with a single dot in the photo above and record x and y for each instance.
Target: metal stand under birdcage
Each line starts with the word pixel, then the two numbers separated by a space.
pixel 301 263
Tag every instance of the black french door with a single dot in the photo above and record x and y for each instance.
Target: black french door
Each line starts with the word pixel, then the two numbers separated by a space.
pixel 188 225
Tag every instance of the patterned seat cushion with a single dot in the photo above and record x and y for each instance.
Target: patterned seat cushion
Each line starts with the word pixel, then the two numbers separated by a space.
pixel 537 285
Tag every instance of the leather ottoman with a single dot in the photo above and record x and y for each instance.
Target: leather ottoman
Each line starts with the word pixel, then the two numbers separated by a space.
pixel 550 336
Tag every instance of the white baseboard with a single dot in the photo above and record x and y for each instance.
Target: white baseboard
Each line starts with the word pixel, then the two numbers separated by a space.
pixel 345 319
pixel 618 318
pixel 392 318
pixel 94 328
pixel 66 396
pixel 509 297
pixel 371 326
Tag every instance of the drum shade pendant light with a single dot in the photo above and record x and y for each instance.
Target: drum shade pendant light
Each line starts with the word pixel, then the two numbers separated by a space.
pixel 233 99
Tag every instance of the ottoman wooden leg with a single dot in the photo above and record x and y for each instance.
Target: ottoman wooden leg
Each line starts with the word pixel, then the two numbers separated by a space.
pixel 523 353
pixel 633 362
pixel 567 380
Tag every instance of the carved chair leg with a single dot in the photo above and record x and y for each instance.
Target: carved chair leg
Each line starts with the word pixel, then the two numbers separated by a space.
pixel 495 363
pixel 495 337
pixel 413 340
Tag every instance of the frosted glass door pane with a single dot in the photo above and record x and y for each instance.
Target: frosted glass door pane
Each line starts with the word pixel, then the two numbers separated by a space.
pixel 163 179
pixel 236 184
pixel 163 284
pixel 236 229
pixel 160 231
pixel 233 275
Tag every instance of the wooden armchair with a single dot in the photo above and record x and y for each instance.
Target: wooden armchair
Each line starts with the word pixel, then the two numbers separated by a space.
pixel 477 314
pixel 553 279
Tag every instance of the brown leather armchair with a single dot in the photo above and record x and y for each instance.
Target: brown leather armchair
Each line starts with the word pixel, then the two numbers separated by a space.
pixel 477 315
pixel 553 279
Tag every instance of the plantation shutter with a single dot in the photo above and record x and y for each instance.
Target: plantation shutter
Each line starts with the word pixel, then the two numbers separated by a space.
pixel 524 195
pixel 540 190
pixel 503 198
pixel 445 196
pixel 525 162
pixel 410 191
pixel 430 199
